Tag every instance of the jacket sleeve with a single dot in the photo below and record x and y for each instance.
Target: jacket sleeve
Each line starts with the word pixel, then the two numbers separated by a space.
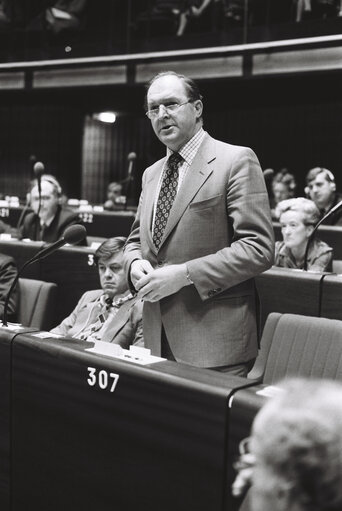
pixel 252 249
pixel 8 272
pixel 67 323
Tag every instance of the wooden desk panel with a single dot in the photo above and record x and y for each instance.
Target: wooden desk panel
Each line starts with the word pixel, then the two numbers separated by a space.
pixel 332 297
pixel 158 441
pixel 22 251
pixel 292 291
pixel 71 268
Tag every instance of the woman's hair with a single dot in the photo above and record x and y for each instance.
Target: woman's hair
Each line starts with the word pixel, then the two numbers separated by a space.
pixel 306 207
pixel 297 441
pixel 109 247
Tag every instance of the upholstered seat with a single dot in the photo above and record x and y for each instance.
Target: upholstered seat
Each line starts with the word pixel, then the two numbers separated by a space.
pixel 37 302
pixel 294 345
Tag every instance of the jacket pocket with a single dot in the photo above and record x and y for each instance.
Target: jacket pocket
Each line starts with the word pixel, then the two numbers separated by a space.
pixel 206 203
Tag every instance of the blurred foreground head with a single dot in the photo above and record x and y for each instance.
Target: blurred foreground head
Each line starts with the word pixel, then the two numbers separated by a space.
pixel 297 447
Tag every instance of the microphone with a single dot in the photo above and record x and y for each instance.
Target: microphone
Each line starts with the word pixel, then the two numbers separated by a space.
pixel 311 237
pixel 131 157
pixel 72 235
pixel 38 169
pixel 268 173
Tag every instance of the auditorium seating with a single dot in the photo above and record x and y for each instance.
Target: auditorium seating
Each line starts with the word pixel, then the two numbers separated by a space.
pixel 294 345
pixel 37 302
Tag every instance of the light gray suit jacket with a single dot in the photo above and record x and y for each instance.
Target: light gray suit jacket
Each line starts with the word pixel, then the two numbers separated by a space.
pixel 220 225
pixel 125 328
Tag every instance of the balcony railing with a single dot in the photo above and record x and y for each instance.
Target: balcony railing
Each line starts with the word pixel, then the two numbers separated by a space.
pixel 34 30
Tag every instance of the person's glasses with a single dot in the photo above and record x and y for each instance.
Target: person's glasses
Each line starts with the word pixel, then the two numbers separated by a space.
pixel 170 108
pixel 244 467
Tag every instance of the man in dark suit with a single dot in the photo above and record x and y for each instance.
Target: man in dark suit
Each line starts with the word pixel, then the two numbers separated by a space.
pixel 202 232
pixel 48 221
pixel 321 188
pixel 8 272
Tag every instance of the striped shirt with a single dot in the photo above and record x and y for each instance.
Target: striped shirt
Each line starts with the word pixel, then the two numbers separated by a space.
pixel 188 153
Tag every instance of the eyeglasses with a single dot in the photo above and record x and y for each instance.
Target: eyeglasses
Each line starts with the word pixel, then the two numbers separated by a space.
pixel 244 467
pixel 170 108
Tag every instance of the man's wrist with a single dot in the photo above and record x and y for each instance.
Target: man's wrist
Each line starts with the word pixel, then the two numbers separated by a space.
pixel 188 281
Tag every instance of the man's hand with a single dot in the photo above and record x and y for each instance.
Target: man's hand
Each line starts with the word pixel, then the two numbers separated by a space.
pixel 162 282
pixel 139 268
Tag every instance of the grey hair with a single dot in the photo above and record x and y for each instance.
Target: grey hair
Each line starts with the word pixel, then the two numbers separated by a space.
pixel 306 207
pixel 297 438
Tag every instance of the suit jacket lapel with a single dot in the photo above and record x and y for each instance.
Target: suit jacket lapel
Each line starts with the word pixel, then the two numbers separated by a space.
pixel 197 174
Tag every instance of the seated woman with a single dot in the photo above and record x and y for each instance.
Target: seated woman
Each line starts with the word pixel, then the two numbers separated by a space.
pixel 298 217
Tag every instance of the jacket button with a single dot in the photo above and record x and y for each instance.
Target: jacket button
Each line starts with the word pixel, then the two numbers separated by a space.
pixel 211 293
pixel 160 263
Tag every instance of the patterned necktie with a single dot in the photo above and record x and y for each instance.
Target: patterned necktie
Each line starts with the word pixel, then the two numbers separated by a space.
pixel 167 194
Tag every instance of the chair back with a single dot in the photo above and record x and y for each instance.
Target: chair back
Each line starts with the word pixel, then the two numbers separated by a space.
pixel 37 301
pixel 294 345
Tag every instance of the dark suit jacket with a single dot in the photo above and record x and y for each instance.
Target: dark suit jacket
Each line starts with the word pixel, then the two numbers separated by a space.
pixel 336 218
pixel 220 225
pixel 8 272
pixel 64 218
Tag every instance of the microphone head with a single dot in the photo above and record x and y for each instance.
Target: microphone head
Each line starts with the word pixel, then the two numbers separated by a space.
pixel 38 168
pixel 131 156
pixel 74 234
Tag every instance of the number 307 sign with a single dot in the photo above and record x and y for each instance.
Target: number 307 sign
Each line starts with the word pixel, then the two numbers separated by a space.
pixel 102 379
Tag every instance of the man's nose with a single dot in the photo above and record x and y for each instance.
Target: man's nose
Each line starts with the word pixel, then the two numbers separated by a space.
pixel 162 111
pixel 108 273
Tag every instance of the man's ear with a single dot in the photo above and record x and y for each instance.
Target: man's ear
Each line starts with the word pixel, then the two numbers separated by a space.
pixel 198 107
pixel 333 186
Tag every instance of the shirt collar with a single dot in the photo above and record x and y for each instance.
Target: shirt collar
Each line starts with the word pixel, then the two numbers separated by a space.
pixel 189 150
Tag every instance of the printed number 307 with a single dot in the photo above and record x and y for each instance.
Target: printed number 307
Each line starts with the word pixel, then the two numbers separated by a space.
pixel 102 379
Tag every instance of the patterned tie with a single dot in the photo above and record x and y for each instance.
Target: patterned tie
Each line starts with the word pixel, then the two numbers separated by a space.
pixel 167 194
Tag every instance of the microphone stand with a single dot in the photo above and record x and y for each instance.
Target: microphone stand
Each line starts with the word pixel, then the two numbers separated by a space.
pixel 311 237
pixel 39 206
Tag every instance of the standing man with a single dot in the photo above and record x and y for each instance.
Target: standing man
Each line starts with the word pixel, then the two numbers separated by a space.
pixel 203 230
pixel 321 188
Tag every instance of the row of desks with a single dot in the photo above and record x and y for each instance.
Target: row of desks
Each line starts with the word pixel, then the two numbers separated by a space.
pixel 85 431
pixel 298 292
pixel 107 224
pixel 104 224
pixel 280 289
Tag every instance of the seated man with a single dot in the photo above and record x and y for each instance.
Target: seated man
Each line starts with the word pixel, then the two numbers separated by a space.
pixel 294 461
pixel 49 221
pixel 321 188
pixel 110 314
pixel 115 199
pixel 8 272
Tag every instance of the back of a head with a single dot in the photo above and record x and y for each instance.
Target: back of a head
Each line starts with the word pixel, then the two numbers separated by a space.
pixel 297 443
